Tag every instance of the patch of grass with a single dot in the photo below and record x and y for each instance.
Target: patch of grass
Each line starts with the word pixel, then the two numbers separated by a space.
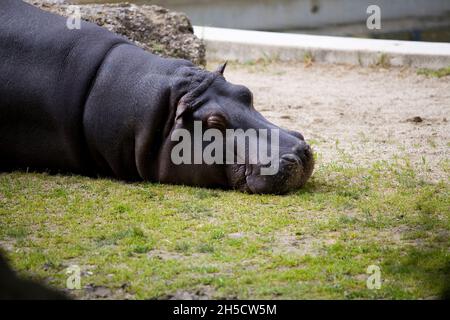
pixel 206 248
pixel 445 165
pixel 364 138
pixel 182 246
pixel 150 240
pixel 141 248
pixel 439 73
pixel 16 232
pixel 383 61
pixel 157 48
pixel 308 59
pixel 432 143
pixel 260 64
pixel 313 142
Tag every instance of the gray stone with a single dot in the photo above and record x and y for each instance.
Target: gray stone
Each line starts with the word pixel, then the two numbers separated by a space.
pixel 156 29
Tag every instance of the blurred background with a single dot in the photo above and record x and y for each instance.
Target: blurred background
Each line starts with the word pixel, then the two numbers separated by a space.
pixel 417 20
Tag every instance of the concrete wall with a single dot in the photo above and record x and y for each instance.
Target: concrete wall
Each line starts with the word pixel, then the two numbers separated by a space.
pixel 294 14
pixel 245 46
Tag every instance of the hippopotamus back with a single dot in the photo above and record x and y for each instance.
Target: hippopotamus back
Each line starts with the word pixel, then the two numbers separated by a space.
pixel 46 71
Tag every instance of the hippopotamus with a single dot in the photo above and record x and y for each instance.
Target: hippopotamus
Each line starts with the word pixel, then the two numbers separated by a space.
pixel 88 101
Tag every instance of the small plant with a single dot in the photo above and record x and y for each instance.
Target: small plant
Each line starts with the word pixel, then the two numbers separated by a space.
pixel 249 62
pixel 383 61
pixel 157 48
pixel 182 246
pixel 206 248
pixel 308 59
pixel 141 248
pixel 432 143
pixel 439 73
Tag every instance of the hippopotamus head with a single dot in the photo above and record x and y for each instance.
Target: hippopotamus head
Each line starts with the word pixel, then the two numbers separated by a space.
pixel 223 117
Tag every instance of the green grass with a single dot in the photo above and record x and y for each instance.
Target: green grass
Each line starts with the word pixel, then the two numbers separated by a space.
pixel 383 61
pixel 147 240
pixel 439 73
pixel 308 59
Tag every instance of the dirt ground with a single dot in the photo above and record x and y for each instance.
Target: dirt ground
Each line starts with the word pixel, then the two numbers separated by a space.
pixel 369 114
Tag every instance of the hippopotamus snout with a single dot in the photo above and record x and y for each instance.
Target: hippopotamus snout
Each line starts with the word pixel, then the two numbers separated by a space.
pixel 296 163
pixel 300 161
pixel 300 152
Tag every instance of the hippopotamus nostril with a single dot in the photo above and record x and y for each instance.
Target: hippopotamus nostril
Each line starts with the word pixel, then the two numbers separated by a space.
pixel 308 150
pixel 302 150
pixel 291 158
pixel 299 148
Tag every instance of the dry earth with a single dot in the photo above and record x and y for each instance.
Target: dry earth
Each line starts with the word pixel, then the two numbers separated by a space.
pixel 365 114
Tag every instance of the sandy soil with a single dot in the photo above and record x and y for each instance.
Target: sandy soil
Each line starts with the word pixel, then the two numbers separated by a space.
pixel 364 113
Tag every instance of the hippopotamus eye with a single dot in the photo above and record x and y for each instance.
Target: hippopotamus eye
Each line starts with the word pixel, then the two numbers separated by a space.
pixel 216 121
pixel 246 97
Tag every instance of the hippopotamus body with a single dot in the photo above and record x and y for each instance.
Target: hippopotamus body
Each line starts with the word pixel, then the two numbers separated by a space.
pixel 90 102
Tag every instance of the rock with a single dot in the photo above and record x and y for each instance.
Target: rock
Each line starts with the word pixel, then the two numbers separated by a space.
pixel 415 119
pixel 156 29
pixel 237 235
pixel 97 291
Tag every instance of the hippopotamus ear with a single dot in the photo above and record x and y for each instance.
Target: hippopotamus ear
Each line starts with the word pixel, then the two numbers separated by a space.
pixel 220 69
pixel 181 109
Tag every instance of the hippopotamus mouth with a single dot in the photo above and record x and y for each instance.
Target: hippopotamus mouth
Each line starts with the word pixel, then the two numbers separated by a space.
pixel 294 171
